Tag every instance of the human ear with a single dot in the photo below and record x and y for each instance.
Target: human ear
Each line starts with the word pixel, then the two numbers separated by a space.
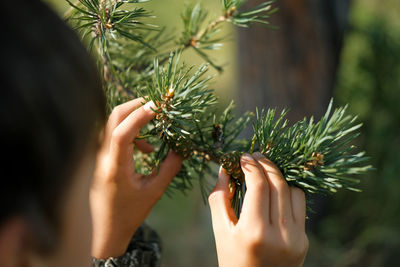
pixel 13 242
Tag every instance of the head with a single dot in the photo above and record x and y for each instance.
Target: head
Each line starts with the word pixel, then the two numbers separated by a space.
pixel 51 109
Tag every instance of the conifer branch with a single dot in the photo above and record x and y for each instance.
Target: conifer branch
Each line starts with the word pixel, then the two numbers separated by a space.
pixel 318 157
pixel 204 38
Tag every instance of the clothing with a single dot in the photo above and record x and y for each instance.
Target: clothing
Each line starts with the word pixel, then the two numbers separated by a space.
pixel 144 250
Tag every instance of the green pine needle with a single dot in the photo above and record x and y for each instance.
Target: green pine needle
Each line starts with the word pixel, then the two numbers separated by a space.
pixel 135 59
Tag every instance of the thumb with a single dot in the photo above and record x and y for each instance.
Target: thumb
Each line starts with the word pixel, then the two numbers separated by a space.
pixel 169 168
pixel 220 200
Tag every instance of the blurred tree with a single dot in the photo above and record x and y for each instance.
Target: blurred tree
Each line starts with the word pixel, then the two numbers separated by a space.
pixel 294 66
pixel 367 233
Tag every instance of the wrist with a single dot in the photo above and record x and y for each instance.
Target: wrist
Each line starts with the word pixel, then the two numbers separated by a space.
pixel 109 245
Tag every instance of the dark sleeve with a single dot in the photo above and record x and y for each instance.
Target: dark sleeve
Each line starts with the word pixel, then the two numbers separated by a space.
pixel 144 250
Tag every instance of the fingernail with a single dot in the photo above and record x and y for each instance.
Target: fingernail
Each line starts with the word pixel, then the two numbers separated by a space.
pixel 222 170
pixel 258 155
pixel 223 175
pixel 246 158
pixel 149 106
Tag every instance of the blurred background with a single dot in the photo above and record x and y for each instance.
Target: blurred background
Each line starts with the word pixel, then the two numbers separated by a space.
pixel 349 50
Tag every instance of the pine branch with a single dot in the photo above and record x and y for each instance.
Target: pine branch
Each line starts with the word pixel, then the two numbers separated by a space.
pixel 314 156
pixel 258 14
pixel 318 157
pixel 112 26
pixel 108 22
pixel 205 38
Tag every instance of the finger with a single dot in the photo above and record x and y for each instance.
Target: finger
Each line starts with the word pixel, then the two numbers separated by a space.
pixel 159 181
pixel 281 211
pixel 220 201
pixel 118 114
pixel 257 200
pixel 280 195
pixel 298 206
pixel 143 146
pixel 123 136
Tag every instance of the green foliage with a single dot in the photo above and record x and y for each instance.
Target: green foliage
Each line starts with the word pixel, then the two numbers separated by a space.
pixel 362 230
pixel 104 19
pixel 257 14
pixel 201 39
pixel 181 98
pixel 118 27
pixel 316 157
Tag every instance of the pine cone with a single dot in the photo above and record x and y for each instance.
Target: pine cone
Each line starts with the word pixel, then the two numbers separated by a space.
pixel 182 147
pixel 231 163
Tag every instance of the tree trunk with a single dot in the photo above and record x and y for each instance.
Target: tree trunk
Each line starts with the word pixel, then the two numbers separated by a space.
pixel 295 66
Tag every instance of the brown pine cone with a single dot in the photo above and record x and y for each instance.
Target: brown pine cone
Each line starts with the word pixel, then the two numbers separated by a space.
pixel 231 163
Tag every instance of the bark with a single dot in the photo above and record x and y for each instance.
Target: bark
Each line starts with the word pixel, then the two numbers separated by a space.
pixel 294 66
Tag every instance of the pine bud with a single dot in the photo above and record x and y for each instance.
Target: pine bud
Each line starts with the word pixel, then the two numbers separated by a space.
pixel 231 163
pixel 182 147
pixel 170 94
pixel 317 160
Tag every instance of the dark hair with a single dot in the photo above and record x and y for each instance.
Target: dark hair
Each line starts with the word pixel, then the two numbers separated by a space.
pixel 51 105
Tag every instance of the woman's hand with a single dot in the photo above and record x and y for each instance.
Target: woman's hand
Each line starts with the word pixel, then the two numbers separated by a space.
pixel 120 198
pixel 271 228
